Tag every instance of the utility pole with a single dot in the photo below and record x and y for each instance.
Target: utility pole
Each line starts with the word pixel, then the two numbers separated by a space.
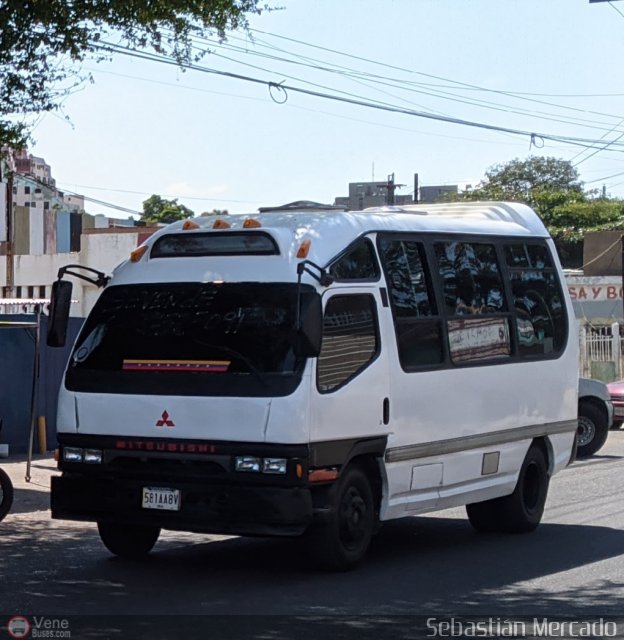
pixel 8 213
pixel 391 186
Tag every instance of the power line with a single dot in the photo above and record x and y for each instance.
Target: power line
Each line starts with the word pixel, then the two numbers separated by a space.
pixel 614 7
pixel 165 195
pixel 281 89
pixel 404 85
pixel 457 83
pixel 606 146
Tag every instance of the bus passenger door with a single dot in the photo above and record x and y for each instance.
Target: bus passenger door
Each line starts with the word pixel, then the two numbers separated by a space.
pixel 350 389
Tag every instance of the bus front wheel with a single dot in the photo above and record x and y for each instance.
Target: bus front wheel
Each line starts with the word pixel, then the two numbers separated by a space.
pixel 521 511
pixel 128 540
pixel 6 494
pixel 342 542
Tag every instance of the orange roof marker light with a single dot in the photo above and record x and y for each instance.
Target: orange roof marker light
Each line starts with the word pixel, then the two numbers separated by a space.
pixel 189 224
pixel 250 223
pixel 138 253
pixel 221 224
pixel 304 249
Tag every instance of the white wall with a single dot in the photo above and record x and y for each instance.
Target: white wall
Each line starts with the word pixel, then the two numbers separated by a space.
pixel 102 251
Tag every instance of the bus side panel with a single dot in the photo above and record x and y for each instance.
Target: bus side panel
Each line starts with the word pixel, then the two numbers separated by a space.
pixel 460 414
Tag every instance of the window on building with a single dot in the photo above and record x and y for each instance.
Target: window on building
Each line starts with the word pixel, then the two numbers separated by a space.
pixel 414 310
pixel 42 291
pixel 350 340
pixel 26 189
pixel 37 190
pixel 540 312
pixel 30 292
pixel 46 205
pixel 14 190
pixel 358 263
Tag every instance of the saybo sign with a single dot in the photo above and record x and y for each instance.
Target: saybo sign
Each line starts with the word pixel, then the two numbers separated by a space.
pixel 592 293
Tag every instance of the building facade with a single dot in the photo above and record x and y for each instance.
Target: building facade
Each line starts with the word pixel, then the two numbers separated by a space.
pixel 363 195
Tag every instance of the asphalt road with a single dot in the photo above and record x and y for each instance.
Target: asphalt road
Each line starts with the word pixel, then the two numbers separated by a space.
pixel 573 565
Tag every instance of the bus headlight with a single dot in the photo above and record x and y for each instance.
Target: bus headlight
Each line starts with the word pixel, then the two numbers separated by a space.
pixel 274 465
pixel 72 454
pixel 93 456
pixel 261 465
pixel 247 463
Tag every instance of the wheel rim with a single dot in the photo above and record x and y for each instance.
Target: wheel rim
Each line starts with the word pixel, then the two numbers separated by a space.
pixel 531 489
pixel 586 431
pixel 352 519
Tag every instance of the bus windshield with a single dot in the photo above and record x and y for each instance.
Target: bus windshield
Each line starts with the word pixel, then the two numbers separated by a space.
pixel 190 339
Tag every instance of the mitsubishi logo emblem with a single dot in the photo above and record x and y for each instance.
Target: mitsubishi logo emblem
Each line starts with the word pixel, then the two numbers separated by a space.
pixel 165 422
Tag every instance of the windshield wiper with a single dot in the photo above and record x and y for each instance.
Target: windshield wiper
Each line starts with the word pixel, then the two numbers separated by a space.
pixel 239 356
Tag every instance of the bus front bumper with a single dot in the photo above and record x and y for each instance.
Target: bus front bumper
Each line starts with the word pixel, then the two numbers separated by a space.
pixel 204 508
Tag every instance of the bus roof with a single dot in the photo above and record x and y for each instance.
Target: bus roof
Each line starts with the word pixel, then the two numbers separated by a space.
pixel 331 230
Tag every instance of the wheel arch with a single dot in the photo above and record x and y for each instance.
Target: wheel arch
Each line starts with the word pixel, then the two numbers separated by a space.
pixel 545 445
pixel 370 463
pixel 597 403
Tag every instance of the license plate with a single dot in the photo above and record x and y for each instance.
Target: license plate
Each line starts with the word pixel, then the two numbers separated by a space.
pixel 159 498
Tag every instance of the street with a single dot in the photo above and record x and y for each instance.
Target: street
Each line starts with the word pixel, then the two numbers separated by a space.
pixel 573 565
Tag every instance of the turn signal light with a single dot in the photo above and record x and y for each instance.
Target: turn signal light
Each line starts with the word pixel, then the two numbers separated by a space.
pixel 138 253
pixel 189 224
pixel 250 223
pixel 323 475
pixel 304 249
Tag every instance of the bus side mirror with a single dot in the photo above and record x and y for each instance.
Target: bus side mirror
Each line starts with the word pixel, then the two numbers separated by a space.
pixel 308 343
pixel 60 301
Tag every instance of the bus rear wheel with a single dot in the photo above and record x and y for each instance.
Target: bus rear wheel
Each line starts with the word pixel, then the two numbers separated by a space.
pixel 342 542
pixel 521 511
pixel 128 540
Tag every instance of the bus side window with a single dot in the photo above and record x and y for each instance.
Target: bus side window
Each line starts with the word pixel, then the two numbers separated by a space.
pixel 479 321
pixel 350 340
pixel 416 321
pixel 358 262
pixel 471 278
pixel 540 313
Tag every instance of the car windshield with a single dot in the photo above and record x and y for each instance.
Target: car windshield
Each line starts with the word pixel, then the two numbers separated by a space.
pixel 189 338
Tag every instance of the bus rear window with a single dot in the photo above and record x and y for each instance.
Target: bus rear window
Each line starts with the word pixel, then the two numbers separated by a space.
pixel 220 243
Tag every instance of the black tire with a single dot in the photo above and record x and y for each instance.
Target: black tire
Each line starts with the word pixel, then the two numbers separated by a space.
pixel 592 430
pixel 521 511
pixel 342 542
pixel 128 540
pixel 6 494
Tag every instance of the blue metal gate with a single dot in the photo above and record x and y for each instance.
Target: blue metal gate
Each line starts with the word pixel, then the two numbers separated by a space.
pixel 17 355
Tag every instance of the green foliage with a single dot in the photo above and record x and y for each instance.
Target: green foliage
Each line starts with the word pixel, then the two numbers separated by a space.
pixel 552 187
pixel 43 42
pixel 157 209
pixel 571 221
pixel 215 212
pixel 542 183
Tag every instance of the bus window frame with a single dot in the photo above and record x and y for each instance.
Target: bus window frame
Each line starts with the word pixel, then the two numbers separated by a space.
pixel 428 239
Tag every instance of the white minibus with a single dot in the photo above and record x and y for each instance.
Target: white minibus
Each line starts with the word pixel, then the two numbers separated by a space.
pixel 308 371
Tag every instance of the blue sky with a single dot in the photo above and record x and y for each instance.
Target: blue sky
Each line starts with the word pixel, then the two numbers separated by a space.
pixel 543 66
